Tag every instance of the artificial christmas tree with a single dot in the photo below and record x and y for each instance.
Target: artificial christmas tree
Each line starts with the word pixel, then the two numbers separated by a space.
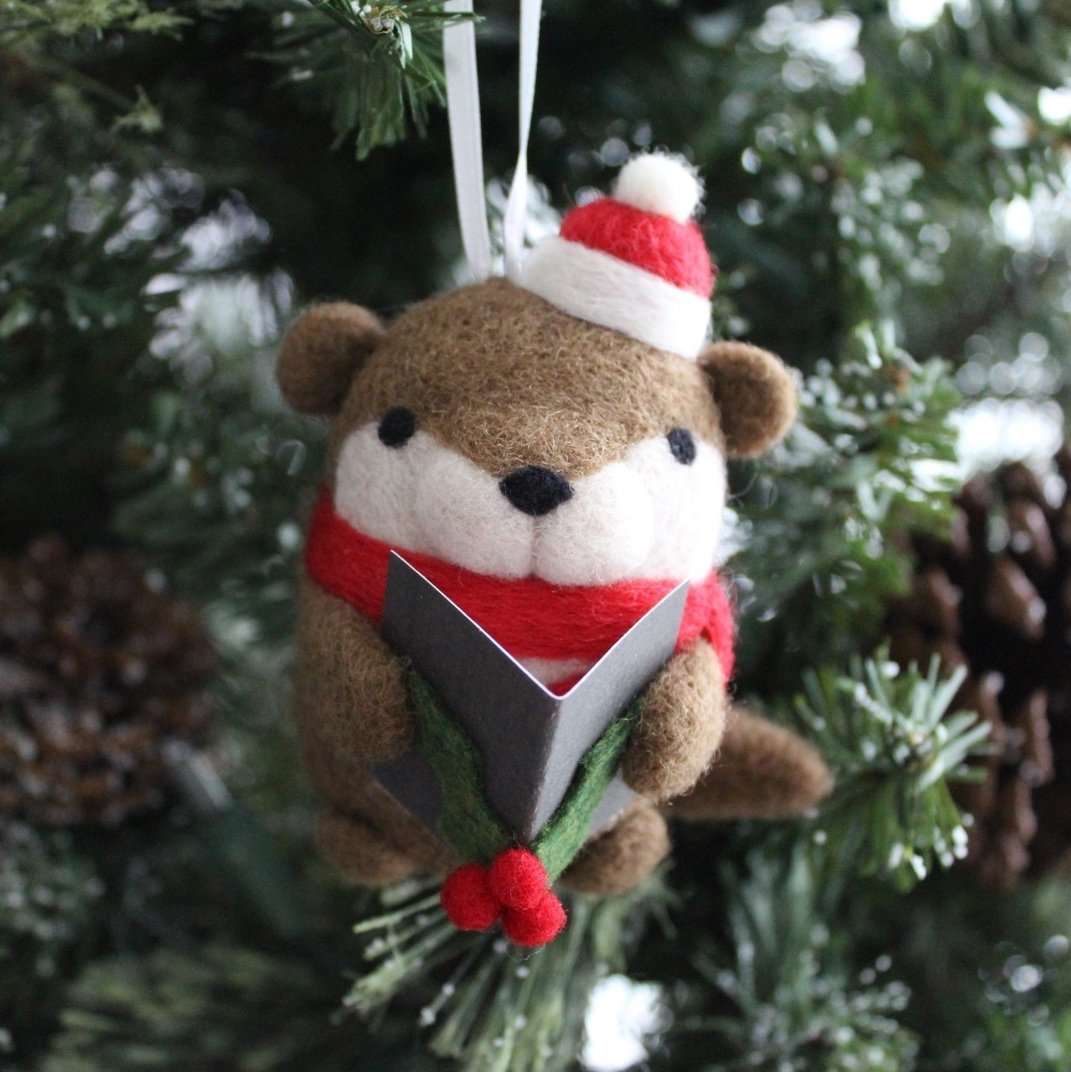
pixel 884 189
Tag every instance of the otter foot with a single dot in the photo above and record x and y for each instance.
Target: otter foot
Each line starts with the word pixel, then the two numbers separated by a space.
pixel 622 856
pixel 360 852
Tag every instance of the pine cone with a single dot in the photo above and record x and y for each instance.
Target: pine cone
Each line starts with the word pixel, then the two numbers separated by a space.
pixel 996 598
pixel 98 672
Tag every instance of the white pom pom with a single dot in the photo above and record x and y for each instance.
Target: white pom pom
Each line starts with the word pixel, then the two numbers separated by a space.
pixel 658 182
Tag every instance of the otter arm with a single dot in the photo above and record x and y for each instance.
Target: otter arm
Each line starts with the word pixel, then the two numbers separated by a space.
pixel 681 723
pixel 351 692
pixel 762 771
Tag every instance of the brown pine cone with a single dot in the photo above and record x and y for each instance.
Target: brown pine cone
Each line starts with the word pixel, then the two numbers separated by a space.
pixel 996 598
pixel 98 672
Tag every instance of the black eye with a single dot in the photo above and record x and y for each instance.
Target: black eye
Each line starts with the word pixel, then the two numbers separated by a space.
pixel 397 426
pixel 682 444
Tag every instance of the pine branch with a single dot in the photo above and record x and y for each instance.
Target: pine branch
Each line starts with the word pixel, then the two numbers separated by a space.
pixel 49 894
pixel 75 329
pixel 894 748
pixel 22 19
pixel 870 457
pixel 1022 1018
pixel 497 1009
pixel 779 994
pixel 213 1006
pixel 378 64
pixel 990 1005
pixel 212 485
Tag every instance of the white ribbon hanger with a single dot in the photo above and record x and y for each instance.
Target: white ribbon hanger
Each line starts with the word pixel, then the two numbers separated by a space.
pixel 516 218
pixel 466 145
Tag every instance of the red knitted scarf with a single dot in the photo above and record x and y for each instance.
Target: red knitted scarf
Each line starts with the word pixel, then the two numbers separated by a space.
pixel 530 618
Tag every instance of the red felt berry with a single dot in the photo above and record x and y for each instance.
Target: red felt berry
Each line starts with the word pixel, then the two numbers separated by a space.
pixel 535 926
pixel 518 878
pixel 467 899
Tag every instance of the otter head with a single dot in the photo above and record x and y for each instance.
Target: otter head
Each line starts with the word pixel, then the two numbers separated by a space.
pixel 488 428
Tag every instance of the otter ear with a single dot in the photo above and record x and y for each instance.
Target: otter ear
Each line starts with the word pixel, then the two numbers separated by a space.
pixel 321 352
pixel 755 394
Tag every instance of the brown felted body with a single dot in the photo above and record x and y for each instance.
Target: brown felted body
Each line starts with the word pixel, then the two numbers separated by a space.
pixel 352 712
pixel 349 686
pixel 505 380
pixel 761 771
pixel 623 856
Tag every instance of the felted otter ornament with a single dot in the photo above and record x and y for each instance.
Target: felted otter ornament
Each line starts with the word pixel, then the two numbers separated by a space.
pixel 550 452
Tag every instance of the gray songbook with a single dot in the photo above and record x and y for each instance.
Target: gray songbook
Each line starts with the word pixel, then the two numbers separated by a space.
pixel 530 739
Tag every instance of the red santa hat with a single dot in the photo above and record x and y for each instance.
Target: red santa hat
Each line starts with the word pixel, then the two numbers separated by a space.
pixel 636 261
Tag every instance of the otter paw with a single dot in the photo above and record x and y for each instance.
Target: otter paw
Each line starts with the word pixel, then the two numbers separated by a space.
pixel 682 719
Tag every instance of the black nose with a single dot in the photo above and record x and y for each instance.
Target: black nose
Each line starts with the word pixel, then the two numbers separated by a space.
pixel 536 491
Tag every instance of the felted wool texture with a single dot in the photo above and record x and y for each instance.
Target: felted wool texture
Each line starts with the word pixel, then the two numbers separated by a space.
pixel 538 925
pixel 681 723
pixel 529 617
pixel 320 353
pixel 503 378
pixel 623 856
pixel 646 516
pixel 462 515
pixel 360 853
pixel 517 878
pixel 606 290
pixel 349 686
pixel 468 824
pixel 422 496
pixel 670 249
pixel 563 836
pixel 687 504
pixel 352 790
pixel 603 533
pixel 755 393
pixel 535 491
pixel 660 182
pixel 468 900
pixel 375 485
pixel 466 821
pixel 341 775
pixel 762 771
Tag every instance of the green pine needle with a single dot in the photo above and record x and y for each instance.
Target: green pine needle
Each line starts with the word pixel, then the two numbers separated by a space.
pixel 214 1006
pixel 379 64
pixel 778 994
pixel 496 1008
pixel 894 748
pixel 20 19
pixel 871 456
pixel 49 900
